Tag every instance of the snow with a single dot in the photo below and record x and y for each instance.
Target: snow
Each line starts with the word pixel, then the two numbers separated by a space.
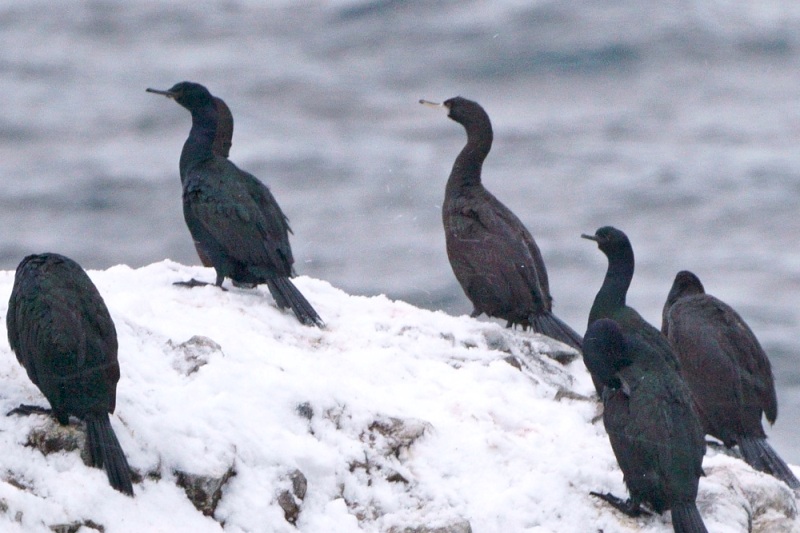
pixel 398 418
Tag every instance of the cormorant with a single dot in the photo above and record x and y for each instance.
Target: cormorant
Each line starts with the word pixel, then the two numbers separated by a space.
pixel 221 147
pixel 61 331
pixel 610 299
pixel 493 255
pixel 224 136
pixel 232 215
pixel 651 423
pixel 726 370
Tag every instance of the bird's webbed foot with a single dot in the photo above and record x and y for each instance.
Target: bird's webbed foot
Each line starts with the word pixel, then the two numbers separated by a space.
pixel 628 507
pixel 191 283
pixel 26 410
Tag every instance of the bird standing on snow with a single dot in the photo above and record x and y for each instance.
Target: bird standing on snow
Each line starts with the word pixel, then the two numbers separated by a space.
pixel 493 255
pixel 221 147
pixel 727 371
pixel 232 215
pixel 61 331
pixel 651 423
pixel 610 299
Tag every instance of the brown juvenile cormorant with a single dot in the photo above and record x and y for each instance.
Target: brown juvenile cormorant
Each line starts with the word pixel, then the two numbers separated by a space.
pixel 232 215
pixel 610 299
pixel 727 371
pixel 61 331
pixel 493 255
pixel 652 425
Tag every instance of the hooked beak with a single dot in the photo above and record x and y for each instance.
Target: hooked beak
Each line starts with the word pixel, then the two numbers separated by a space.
pixel 165 93
pixel 590 237
pixel 430 104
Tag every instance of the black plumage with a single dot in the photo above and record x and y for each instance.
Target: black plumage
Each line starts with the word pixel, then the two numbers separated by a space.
pixel 727 370
pixel 62 333
pixel 221 146
pixel 493 255
pixel 610 301
pixel 651 423
pixel 223 139
pixel 232 216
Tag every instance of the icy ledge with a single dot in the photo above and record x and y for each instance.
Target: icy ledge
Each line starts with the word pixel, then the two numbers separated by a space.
pixel 392 419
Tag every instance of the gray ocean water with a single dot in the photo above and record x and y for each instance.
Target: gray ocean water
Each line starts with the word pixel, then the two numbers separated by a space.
pixel 676 121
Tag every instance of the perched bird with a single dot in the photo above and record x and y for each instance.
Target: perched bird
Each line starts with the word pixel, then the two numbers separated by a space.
pixel 726 370
pixel 221 147
pixel 61 331
pixel 231 215
pixel 651 423
pixel 223 140
pixel 493 255
pixel 610 299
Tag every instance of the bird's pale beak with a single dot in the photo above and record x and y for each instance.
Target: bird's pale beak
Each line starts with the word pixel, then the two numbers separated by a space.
pixel 430 104
pixel 165 93
pixel 590 237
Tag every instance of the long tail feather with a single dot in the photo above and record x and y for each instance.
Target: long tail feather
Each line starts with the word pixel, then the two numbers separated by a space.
pixel 759 454
pixel 552 326
pixel 287 295
pixel 686 519
pixel 105 452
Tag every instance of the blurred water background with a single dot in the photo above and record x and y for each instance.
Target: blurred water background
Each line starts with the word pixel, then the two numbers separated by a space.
pixel 676 121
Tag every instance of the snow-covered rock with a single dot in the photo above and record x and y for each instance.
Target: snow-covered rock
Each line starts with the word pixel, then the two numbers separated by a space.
pixel 391 419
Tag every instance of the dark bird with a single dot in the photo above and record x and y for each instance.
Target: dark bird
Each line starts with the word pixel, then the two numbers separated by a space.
pixel 61 331
pixel 610 299
pixel 726 370
pixel 493 255
pixel 221 147
pixel 651 423
pixel 232 216
pixel 223 140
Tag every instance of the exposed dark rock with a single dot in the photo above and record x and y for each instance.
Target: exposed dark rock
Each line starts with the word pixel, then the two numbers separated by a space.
pixel 305 410
pixel 397 434
pixel 291 509
pixel 396 477
pixel 193 354
pixel 563 356
pixel 456 527
pixel 496 340
pixel 566 394
pixel 291 501
pixel 74 527
pixel 514 361
pixel 53 438
pixel 299 484
pixel 204 491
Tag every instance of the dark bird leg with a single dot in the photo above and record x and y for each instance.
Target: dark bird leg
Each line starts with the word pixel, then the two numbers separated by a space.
pixel 26 410
pixel 105 452
pixel 628 507
pixel 759 454
pixel 287 295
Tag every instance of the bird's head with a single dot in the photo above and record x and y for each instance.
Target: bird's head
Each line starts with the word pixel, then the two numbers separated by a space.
pixel 188 94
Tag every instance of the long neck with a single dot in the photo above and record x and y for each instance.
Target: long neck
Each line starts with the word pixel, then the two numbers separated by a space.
pixel 199 145
pixel 467 167
pixel 611 295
